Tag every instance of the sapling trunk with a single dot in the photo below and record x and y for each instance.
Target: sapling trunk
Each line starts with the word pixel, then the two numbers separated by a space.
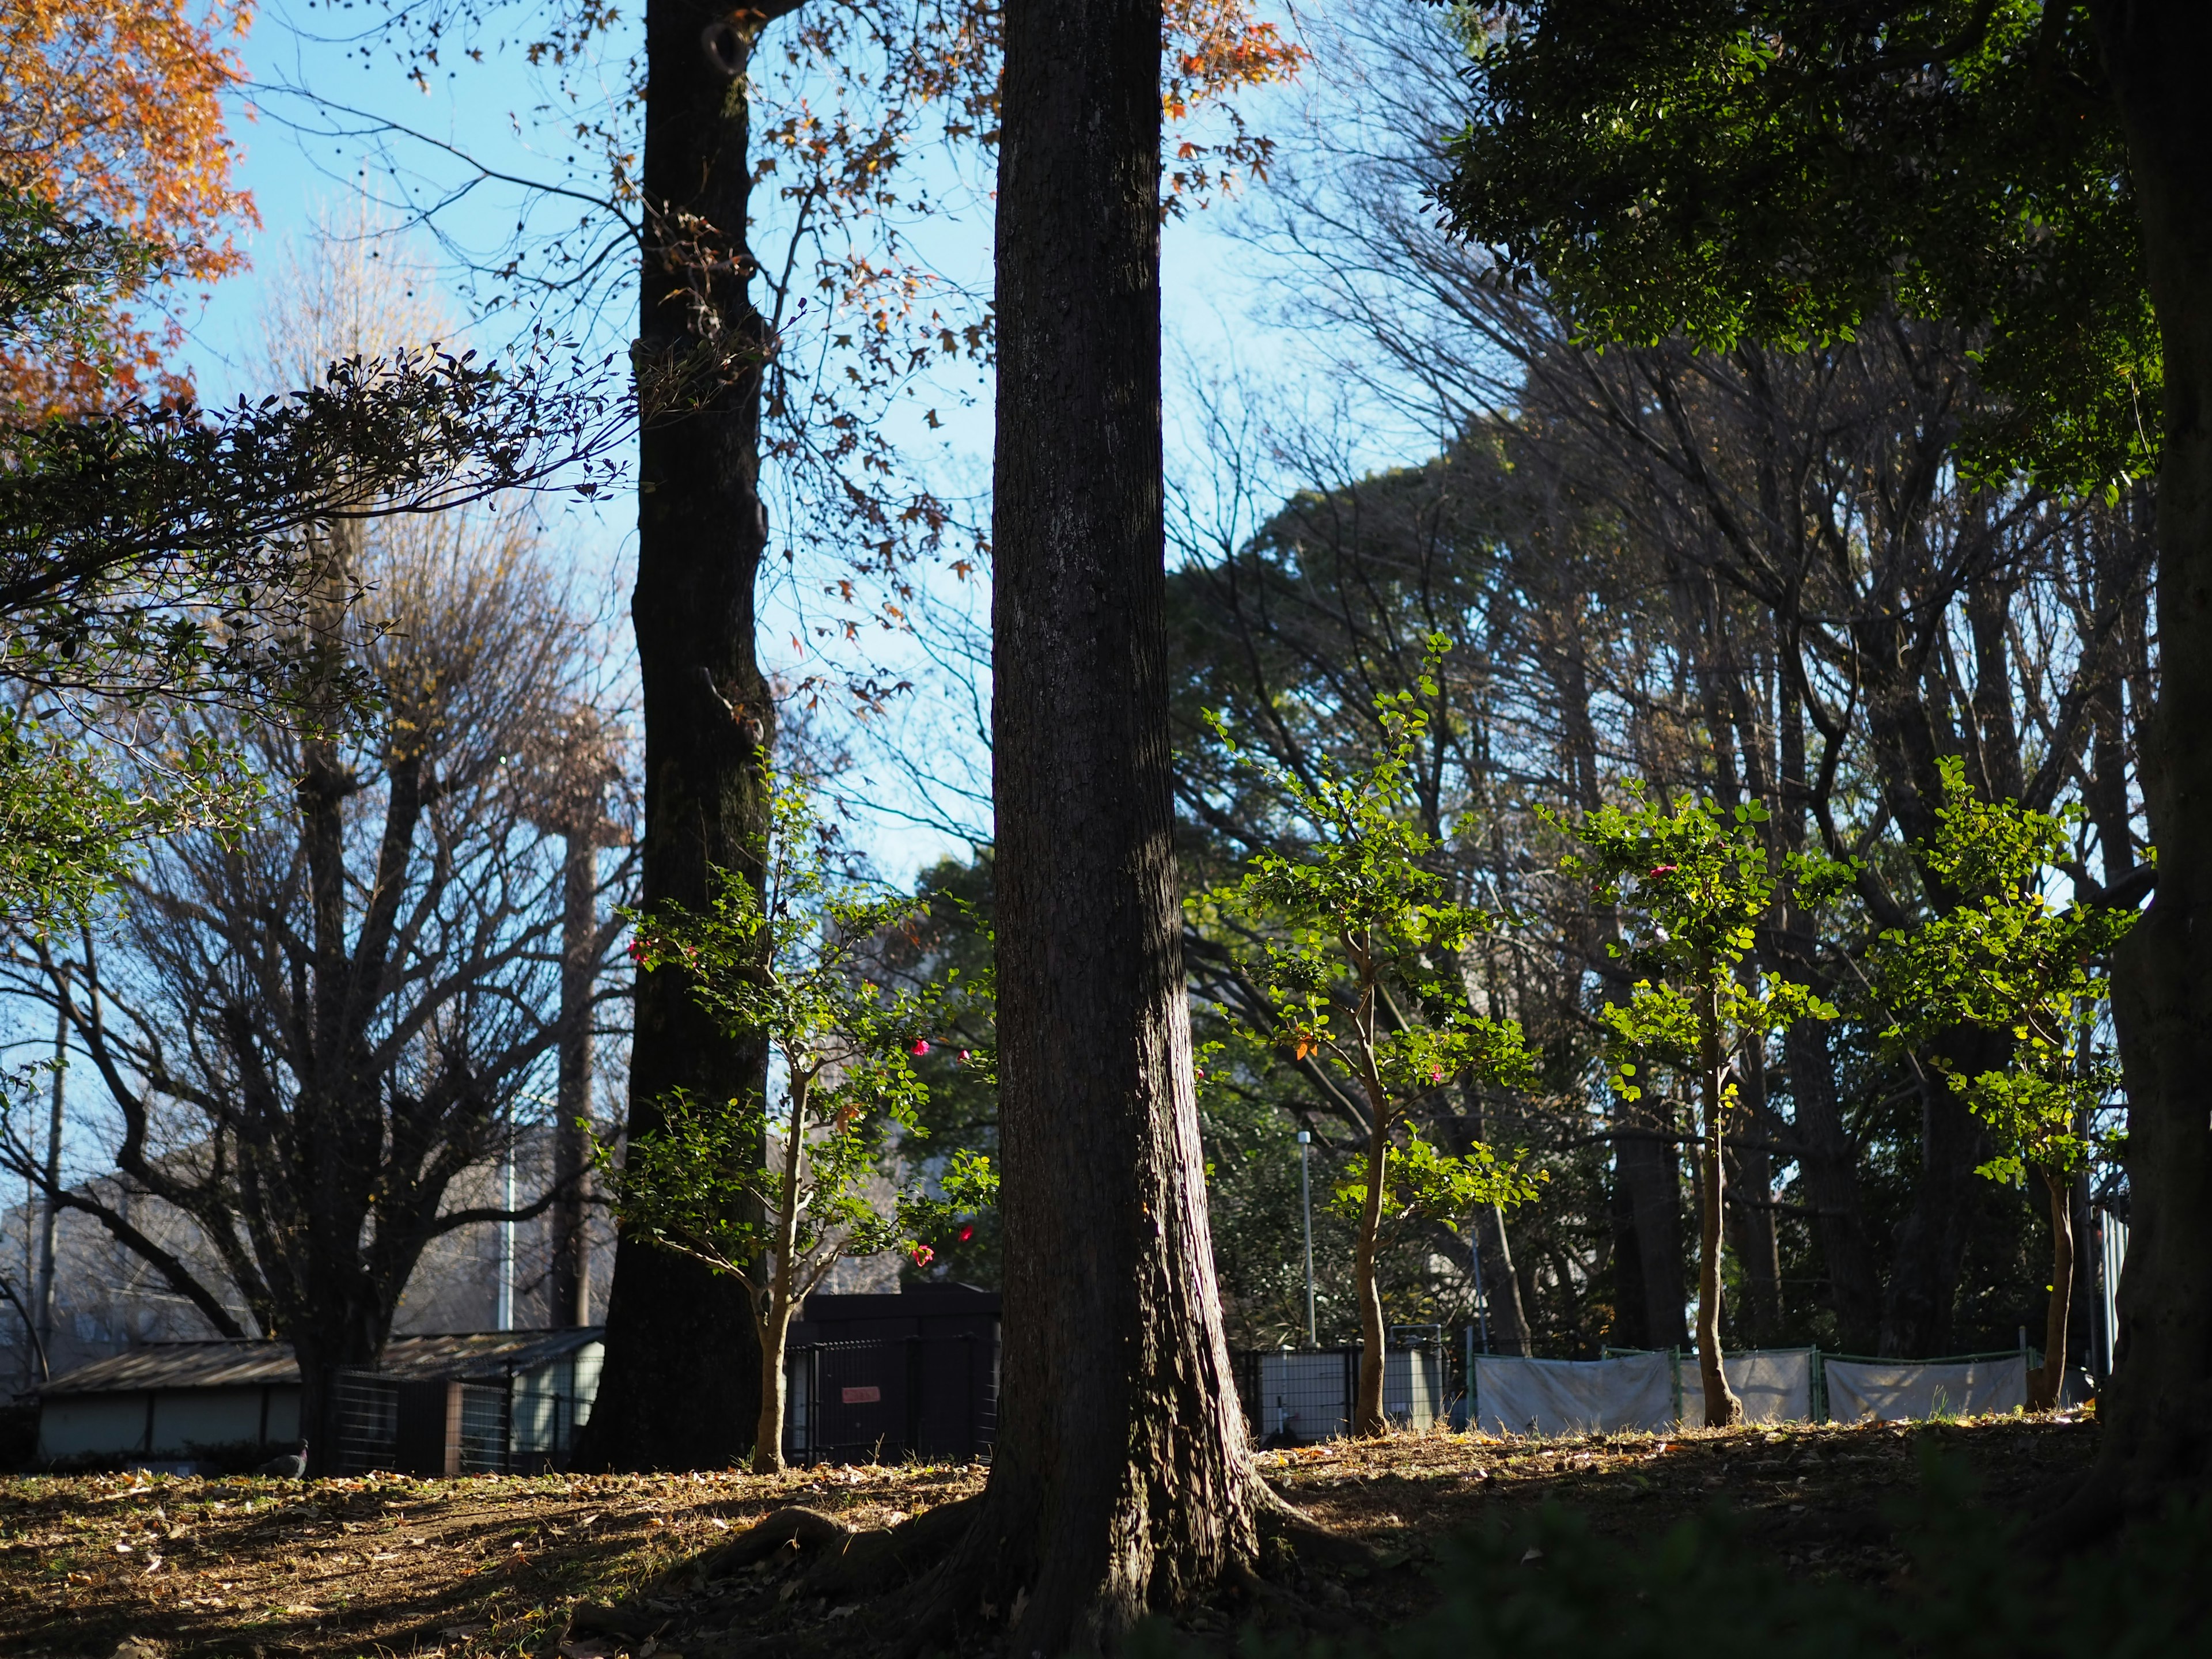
pixel 2043 1383
pixel 1723 1409
pixel 1367 1412
pixel 773 1318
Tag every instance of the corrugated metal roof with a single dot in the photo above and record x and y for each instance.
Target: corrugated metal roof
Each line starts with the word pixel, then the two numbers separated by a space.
pixel 222 1363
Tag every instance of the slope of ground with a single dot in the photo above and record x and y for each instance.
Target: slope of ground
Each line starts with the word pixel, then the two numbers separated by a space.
pixel 159 1566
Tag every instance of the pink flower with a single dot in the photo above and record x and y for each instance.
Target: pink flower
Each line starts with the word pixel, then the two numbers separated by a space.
pixel 922 1045
pixel 968 1232
pixel 637 950
pixel 923 1256
pixel 964 1056
pixel 1659 870
pixel 1435 1074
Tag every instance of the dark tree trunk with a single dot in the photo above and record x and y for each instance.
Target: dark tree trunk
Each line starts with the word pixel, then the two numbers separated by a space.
pixel 1827 1164
pixel 1648 1169
pixel 1931 1244
pixel 568 1283
pixel 1758 1246
pixel 2158 1429
pixel 1120 1480
pixel 679 1390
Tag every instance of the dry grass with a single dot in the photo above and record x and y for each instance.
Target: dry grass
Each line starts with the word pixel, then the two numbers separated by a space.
pixel 390 1566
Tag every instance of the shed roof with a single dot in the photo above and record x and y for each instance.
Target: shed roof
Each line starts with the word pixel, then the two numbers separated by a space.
pixel 221 1363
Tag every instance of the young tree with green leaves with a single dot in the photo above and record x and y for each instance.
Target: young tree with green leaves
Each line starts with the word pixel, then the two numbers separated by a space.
pixel 1692 887
pixel 2039 173
pixel 771 1188
pixel 1361 944
pixel 2007 959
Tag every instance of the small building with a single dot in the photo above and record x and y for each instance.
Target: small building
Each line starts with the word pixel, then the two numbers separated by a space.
pixel 479 1402
pixel 881 1378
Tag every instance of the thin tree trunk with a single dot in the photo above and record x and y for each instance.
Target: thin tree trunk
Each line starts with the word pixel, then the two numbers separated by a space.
pixel 1506 1312
pixel 1723 1409
pixel 1501 1285
pixel 775 1324
pixel 1367 1408
pixel 682 1353
pixel 2153 1439
pixel 569 1283
pixel 767 1431
pixel 1119 1481
pixel 49 1212
pixel 2044 1384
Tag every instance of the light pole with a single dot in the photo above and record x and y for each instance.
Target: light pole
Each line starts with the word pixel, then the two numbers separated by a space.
pixel 1305 1202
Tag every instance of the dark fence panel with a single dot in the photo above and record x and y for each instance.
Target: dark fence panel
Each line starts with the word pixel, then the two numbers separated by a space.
pixel 932 1398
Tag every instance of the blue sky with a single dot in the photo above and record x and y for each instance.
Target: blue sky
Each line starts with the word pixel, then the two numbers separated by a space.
pixel 304 160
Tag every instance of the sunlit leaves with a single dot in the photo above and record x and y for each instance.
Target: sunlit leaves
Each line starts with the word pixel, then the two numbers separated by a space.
pixel 1785 169
pixel 788 1172
pixel 1356 940
pixel 2007 960
pixel 1692 884
pixel 1421 1184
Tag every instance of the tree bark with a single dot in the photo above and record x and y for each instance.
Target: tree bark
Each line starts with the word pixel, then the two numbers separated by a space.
pixel 1501 1287
pixel 680 1387
pixel 1646 1165
pixel 2044 1383
pixel 2158 1430
pixel 1827 1162
pixel 1120 1482
pixel 1367 1406
pixel 569 1284
pixel 1923 1280
pixel 1723 1409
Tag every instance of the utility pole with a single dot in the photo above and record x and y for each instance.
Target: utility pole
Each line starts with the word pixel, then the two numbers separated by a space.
pixel 1305 1202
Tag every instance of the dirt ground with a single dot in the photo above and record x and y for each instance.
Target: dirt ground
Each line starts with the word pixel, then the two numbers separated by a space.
pixel 146 1567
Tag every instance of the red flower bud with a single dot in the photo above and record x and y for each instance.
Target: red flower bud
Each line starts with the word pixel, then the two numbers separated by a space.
pixel 968 1232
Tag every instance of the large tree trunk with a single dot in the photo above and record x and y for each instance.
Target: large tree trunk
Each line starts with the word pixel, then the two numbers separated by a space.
pixel 1119 1480
pixel 680 1387
pixel 1828 1163
pixel 1923 1280
pixel 1648 1168
pixel 2155 1428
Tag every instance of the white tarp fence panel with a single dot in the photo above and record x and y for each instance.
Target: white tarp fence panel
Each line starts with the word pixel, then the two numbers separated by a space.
pixel 1897 1389
pixel 1776 1386
pixel 1574 1396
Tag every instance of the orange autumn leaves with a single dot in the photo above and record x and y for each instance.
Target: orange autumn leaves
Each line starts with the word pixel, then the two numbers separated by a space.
pixel 111 110
pixel 1214 50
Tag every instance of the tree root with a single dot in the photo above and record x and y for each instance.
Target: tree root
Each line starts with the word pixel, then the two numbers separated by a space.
pixel 937 1593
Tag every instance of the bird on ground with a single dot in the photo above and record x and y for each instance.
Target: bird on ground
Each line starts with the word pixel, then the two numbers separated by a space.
pixel 290 1466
